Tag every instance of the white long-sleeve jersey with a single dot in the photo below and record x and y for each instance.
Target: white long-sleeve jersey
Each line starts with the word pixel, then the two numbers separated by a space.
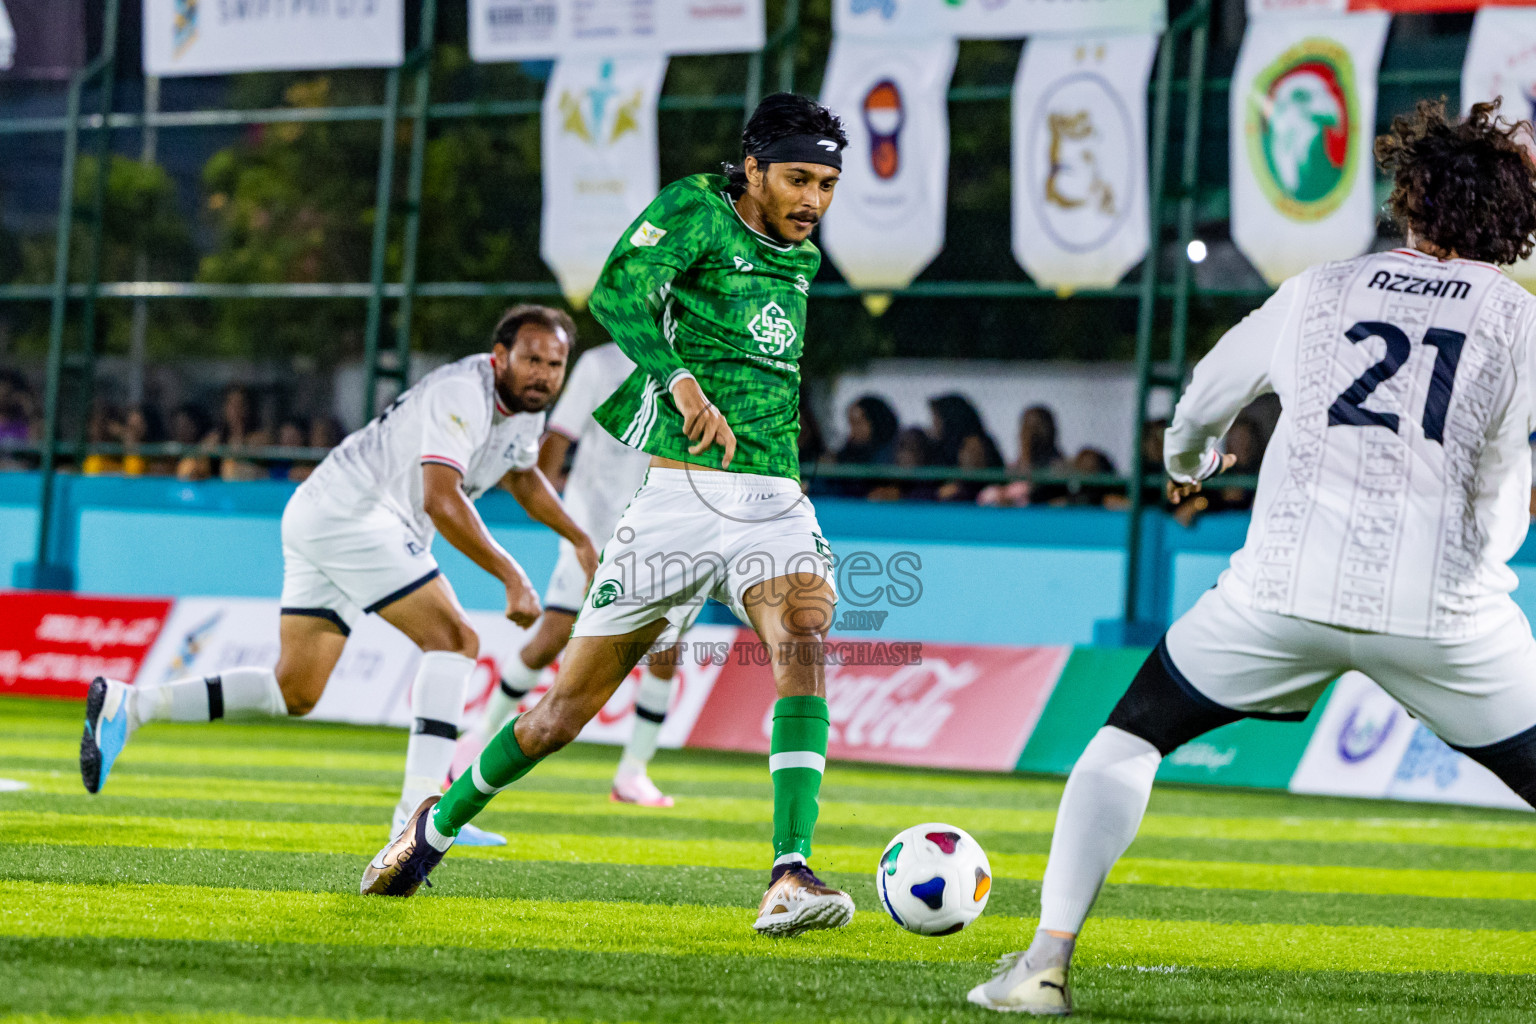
pixel 1397 484
pixel 453 417
pixel 606 472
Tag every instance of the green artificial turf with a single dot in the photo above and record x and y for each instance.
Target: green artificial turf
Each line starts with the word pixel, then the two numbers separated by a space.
pixel 214 881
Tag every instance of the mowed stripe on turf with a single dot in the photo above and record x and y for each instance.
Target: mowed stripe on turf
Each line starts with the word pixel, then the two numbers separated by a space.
pixel 171 912
pixel 745 811
pixel 235 834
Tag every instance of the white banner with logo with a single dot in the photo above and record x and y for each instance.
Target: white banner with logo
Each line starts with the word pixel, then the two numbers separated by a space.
pixel 887 222
pixel 7 39
pixel 1303 117
pixel 1501 62
pixel 1080 158
pixel 993 19
pixel 372 682
pixel 196 37
pixel 502 30
pixel 600 161
pixel 1366 745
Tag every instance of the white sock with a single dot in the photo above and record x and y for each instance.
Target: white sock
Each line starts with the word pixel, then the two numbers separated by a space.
pixel 516 680
pixel 1101 809
pixel 437 702
pixel 234 693
pixel 651 698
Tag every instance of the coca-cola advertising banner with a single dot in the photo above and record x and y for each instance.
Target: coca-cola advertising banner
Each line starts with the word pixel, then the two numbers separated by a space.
pixel 935 705
pixel 53 645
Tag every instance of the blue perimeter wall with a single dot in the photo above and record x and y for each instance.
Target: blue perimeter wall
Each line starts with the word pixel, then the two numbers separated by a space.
pixel 991 576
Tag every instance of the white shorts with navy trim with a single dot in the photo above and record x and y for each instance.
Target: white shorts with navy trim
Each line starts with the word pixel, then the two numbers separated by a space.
pixel 1472 692
pixel 342 564
pixel 691 535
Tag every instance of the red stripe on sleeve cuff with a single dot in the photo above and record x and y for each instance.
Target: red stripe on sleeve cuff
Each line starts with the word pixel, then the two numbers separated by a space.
pixel 443 460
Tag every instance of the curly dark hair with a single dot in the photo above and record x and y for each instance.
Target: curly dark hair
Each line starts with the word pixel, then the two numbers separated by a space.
pixel 1467 186
pixel 777 117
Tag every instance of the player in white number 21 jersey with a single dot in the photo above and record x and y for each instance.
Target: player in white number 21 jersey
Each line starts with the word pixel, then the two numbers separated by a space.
pixel 1395 489
pixel 357 538
pixel 605 474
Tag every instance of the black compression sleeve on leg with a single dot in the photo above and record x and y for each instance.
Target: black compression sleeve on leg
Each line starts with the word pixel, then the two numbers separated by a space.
pixel 1164 709
pixel 1512 760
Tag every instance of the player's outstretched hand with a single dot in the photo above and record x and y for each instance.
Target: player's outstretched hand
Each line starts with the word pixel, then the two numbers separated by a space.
pixel 1177 492
pixel 586 554
pixel 523 606
pixel 704 424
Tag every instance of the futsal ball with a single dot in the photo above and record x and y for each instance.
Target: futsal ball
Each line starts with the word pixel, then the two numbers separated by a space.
pixel 934 879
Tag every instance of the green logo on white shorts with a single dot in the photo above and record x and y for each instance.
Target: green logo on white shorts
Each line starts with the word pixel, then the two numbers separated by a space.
pixel 608 593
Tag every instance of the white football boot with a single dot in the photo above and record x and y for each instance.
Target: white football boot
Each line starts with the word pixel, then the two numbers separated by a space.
pixel 638 789
pixel 1018 988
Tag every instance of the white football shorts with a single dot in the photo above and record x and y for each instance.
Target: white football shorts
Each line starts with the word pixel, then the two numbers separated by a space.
pixel 343 563
pixel 691 535
pixel 1472 692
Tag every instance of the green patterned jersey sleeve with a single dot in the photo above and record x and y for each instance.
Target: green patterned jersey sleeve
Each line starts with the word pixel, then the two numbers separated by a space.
pixel 631 294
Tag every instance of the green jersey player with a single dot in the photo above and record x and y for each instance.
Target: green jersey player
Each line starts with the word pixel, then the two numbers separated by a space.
pixel 706 293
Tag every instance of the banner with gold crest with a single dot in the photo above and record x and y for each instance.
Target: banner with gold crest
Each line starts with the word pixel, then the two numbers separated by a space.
pixel 600 161
pixel 1080 158
pixel 1303 119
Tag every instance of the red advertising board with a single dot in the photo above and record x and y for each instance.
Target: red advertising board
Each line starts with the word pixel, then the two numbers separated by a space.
pixel 937 705
pixel 54 644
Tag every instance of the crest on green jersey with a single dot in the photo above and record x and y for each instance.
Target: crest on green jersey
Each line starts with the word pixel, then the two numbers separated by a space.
pixel 773 330
pixel 607 593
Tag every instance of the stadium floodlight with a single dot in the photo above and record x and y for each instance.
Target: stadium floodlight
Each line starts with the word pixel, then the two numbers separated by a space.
pixel 1196 251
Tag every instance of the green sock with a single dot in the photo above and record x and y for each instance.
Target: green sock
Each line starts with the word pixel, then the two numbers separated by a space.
pixel 796 758
pixel 500 764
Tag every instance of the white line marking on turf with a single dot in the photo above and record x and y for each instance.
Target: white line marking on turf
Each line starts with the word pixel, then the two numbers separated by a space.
pixel 12 785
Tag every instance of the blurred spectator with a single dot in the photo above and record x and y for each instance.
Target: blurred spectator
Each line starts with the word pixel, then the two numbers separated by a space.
pixel 290 434
pixel 324 432
pixel 913 450
pixel 961 441
pixel 102 427
pixel 871 442
pixel 140 426
pixel 812 445
pixel 189 425
pixel 1152 434
pixel 1039 452
pixel 18 407
pixel 1092 462
pixel 236 429
pixel 1246 440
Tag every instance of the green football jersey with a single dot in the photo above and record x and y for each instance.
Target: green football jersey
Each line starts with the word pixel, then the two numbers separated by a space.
pixel 690 289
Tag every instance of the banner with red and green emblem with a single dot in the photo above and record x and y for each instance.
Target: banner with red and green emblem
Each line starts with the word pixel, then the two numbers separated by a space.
pixel 1303 115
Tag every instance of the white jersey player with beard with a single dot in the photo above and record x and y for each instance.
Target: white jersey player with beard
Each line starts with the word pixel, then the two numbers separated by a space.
pixel 357 539
pixel 605 474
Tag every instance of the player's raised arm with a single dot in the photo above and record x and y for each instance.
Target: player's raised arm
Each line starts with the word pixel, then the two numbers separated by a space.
pixel 1230 376
pixel 630 301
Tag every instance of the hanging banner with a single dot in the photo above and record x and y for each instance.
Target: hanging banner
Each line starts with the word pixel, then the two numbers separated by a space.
pixel 993 19
pixel 501 30
pixel 1303 115
pixel 1080 158
pixel 600 161
pixel 1501 62
pixel 195 37
pixel 888 221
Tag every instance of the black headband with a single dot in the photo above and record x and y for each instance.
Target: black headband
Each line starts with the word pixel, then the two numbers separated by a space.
pixel 801 149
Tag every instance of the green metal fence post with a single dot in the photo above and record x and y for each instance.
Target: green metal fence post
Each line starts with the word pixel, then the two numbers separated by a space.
pixel 43 572
pixel 422 58
pixel 1145 317
pixel 374 324
pixel 1178 337
pixel 789 42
